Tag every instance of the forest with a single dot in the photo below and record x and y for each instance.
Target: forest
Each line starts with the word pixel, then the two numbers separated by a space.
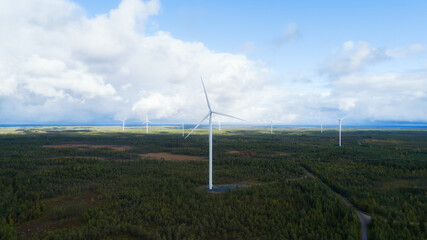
pixel 105 183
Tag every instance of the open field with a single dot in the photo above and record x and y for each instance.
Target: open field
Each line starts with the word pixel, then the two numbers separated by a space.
pixel 171 157
pixel 90 146
pixel 105 183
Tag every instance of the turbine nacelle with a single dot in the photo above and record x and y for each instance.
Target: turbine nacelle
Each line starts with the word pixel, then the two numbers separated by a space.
pixel 210 112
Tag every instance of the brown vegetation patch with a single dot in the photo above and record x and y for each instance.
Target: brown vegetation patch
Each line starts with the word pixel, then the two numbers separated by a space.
pixel 84 157
pixel 90 146
pixel 171 157
pixel 382 141
pixel 39 226
pixel 85 198
pixel 233 152
pixel 282 154
pixel 398 183
pixel 240 153
pixel 61 212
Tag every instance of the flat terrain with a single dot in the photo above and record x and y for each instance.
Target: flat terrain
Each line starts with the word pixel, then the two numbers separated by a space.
pixel 105 183
pixel 89 146
pixel 171 157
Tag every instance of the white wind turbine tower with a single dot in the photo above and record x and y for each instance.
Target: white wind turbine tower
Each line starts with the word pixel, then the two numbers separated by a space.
pixel 321 126
pixel 219 125
pixel 183 128
pixel 340 120
pixel 271 127
pixel 146 123
pixel 210 132
pixel 123 128
pixel 321 123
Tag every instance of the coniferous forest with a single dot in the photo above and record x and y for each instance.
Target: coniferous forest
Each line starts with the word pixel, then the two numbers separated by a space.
pixel 104 183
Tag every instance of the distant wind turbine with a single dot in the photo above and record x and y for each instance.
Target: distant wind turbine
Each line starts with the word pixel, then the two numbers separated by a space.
pixel 271 127
pixel 123 124
pixel 321 126
pixel 219 125
pixel 146 123
pixel 340 120
pixel 210 132
pixel 183 128
pixel 321 123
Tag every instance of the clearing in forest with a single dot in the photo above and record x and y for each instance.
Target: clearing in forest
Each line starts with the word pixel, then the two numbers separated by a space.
pixel 61 212
pixel 171 157
pixel 90 146
pixel 240 153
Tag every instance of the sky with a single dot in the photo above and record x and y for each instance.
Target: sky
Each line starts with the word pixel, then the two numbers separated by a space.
pixel 290 62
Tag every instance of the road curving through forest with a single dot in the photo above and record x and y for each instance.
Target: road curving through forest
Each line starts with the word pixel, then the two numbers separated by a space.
pixel 363 217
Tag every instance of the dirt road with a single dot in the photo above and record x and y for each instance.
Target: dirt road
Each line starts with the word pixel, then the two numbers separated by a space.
pixel 363 217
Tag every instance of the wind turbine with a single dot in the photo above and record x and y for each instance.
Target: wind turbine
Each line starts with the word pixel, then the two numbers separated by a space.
pixel 183 128
pixel 271 127
pixel 146 123
pixel 340 120
pixel 321 123
pixel 123 124
pixel 210 132
pixel 219 125
pixel 321 126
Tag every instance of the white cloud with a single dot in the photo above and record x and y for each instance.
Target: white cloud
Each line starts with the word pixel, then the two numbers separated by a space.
pixel 56 64
pixel 126 86
pixel 347 104
pixel 55 54
pixel 418 47
pixel 404 52
pixel 8 85
pixel 160 105
pixel 352 57
pixel 348 46
pixel 52 78
pixel 389 96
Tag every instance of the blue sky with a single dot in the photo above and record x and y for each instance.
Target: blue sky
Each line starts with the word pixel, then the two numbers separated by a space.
pixel 225 26
pixel 291 62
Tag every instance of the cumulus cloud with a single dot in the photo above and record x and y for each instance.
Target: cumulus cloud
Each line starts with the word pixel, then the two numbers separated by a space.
pixel 160 105
pixel 388 96
pixel 59 65
pixel 52 78
pixel 54 55
pixel 352 57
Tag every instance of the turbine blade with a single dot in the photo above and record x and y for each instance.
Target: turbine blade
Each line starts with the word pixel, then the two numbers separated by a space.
pixel 346 117
pixel 207 100
pixel 197 125
pixel 229 116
